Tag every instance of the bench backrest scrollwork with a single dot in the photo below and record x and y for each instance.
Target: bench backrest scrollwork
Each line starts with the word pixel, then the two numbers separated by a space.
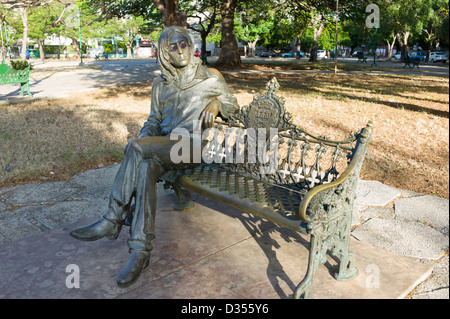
pixel 262 141
pixel 9 75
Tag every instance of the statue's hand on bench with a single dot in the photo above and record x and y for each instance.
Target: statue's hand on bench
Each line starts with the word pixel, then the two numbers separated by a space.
pixel 209 114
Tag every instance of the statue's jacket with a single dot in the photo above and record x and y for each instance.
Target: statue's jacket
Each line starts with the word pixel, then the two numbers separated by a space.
pixel 180 105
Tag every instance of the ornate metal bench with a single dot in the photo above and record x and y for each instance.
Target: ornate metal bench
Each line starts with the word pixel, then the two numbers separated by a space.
pixel 308 184
pixel 10 76
pixel 411 62
pixel 361 58
pixel 104 55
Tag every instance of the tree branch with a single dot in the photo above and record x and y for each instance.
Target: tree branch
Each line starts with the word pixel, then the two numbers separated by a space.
pixel 11 4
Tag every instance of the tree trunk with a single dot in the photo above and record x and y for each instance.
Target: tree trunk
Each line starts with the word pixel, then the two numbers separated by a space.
pixel 430 38
pixel 59 46
pixel 229 55
pixel 405 44
pixel 363 37
pixel 128 44
pixel 203 36
pixel 24 16
pixel 252 47
pixel 320 21
pixel 430 47
pixel 76 48
pixel 313 52
pixel 391 47
pixel 403 40
pixel 170 10
pixel 41 44
pixel 298 47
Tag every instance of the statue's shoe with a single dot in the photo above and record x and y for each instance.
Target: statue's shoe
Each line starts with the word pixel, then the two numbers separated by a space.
pixel 99 229
pixel 138 261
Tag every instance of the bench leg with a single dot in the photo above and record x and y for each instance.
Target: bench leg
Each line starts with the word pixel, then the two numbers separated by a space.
pixel 28 90
pixel 330 231
pixel 347 269
pixel 317 255
pixel 184 199
pixel 181 203
pixel 23 87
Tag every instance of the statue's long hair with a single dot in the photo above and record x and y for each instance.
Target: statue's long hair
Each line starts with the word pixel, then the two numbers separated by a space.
pixel 169 72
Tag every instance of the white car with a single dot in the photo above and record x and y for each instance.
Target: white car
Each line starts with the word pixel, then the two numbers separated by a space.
pixel 321 53
pixel 438 56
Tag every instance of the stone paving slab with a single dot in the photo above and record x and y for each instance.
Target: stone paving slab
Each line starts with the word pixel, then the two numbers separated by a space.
pixel 436 286
pixel 235 257
pixel 2 207
pixel 35 267
pixel 375 193
pixel 48 205
pixel 37 193
pixel 418 209
pixel 403 237
pixel 384 212
pixel 14 227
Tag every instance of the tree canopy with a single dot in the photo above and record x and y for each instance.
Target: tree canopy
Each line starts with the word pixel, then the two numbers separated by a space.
pixel 306 25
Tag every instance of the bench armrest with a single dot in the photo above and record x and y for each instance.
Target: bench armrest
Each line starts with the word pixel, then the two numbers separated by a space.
pixel 355 164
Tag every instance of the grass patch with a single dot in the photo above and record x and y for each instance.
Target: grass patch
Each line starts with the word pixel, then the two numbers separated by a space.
pixel 321 65
pixel 410 146
pixel 55 139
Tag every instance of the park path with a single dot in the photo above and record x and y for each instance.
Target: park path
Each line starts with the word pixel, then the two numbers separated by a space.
pixel 56 79
pixel 53 79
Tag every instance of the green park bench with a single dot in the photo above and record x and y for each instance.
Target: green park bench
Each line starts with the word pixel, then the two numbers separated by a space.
pixel 11 76
pixel 361 58
pixel 411 62
pixel 101 55
pixel 309 187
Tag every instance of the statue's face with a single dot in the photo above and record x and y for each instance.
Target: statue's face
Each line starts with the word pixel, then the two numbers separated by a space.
pixel 179 51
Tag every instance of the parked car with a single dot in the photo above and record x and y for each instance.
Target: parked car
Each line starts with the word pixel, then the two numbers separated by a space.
pixel 398 56
pixel 438 56
pixel 321 53
pixel 267 54
pixel 292 54
pixel 421 55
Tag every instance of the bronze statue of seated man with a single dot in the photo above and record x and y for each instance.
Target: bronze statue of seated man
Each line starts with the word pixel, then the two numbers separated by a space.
pixel 185 93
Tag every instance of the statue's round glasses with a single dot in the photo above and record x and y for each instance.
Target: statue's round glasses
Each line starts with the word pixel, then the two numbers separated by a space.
pixel 182 45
